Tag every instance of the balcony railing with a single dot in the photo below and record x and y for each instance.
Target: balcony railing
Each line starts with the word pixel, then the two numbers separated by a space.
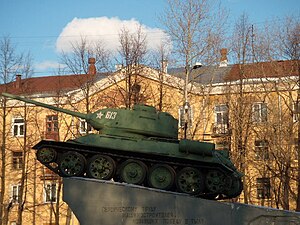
pixel 219 130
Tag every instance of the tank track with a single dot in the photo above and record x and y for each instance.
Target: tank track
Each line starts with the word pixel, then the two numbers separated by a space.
pixel 130 159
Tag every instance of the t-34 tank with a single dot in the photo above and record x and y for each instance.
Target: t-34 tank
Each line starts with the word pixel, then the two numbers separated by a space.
pixel 140 146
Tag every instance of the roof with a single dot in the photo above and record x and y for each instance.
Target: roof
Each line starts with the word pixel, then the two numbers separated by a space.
pixel 216 74
pixel 274 69
pixel 203 75
pixel 49 84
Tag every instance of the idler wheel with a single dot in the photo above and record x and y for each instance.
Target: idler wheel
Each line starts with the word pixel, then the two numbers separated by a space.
pixel 215 181
pixel 133 171
pixel 72 164
pixel 46 155
pixel 101 167
pixel 161 176
pixel 235 189
pixel 190 181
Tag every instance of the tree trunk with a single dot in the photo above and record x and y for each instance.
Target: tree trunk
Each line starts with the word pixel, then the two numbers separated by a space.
pixel 298 149
pixel 22 193
pixel 3 164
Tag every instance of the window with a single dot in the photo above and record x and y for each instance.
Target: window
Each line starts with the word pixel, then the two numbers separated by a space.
pixel 84 127
pixel 182 115
pixel 221 119
pixel 15 193
pixel 50 192
pixel 136 88
pixel 263 188
pixel 18 127
pixel 52 127
pixel 17 160
pixel 261 150
pixel 296 111
pixel 52 124
pixel 221 114
pixel 260 112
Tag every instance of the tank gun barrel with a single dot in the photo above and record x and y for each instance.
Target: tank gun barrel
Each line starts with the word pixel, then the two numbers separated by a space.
pixel 77 114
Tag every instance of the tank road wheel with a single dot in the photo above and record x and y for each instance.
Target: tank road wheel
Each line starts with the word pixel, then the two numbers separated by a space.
pixel 101 167
pixel 72 164
pixel 46 155
pixel 215 181
pixel 133 171
pixel 161 176
pixel 190 181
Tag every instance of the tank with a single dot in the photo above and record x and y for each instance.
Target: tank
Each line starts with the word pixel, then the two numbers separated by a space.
pixel 140 146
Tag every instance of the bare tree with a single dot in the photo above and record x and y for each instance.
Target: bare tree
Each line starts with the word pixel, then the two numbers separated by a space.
pixel 196 28
pixel 10 63
pixel 250 48
pixel 132 52
pixel 160 60
pixel 26 70
pixel 77 61
pixel 289 46
pixel 241 109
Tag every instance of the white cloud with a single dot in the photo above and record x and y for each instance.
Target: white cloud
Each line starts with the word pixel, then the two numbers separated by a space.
pixel 105 29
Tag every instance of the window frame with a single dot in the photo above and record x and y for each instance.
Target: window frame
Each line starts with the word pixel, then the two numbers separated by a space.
pixel 181 117
pixel 261 149
pixel 224 115
pixel 17 160
pixel 296 111
pixel 50 192
pixel 15 193
pixel 261 114
pixel 84 127
pixel 18 127
pixel 263 188
pixel 53 124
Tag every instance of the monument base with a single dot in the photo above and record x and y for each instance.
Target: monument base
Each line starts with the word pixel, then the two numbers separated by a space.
pixel 97 202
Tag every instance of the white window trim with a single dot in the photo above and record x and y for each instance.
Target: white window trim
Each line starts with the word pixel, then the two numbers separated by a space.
pixel 222 112
pixel 296 112
pixel 50 194
pixel 260 111
pixel 261 149
pixel 81 131
pixel 18 187
pixel 18 125
pixel 181 116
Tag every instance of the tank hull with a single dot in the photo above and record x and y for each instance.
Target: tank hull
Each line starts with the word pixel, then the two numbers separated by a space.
pixel 154 158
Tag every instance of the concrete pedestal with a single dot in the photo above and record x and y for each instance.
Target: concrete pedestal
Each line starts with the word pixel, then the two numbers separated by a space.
pixel 97 202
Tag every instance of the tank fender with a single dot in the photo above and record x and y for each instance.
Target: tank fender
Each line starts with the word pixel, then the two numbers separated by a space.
pixel 196 147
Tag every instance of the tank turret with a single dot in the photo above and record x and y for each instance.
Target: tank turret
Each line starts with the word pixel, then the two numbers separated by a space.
pixel 140 146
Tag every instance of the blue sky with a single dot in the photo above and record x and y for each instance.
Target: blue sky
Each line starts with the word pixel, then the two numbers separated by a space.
pixel 36 25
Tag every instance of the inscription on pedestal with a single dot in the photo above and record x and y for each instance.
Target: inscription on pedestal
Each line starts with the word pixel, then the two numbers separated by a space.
pixel 148 215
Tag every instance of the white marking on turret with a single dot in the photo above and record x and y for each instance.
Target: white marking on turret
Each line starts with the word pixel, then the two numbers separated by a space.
pixel 99 115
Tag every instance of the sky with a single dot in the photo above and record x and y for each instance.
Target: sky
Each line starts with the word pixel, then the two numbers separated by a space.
pixel 45 27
